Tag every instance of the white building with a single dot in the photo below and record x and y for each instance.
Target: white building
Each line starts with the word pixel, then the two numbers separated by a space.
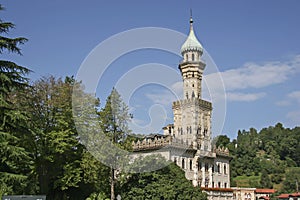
pixel 189 139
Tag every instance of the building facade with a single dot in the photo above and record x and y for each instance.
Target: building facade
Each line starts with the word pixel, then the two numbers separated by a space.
pixel 188 142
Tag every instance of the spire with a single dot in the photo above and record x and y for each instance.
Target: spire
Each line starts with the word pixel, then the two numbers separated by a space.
pixel 191 43
pixel 191 20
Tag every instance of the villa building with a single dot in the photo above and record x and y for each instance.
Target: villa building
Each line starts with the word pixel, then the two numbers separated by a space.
pixel 188 142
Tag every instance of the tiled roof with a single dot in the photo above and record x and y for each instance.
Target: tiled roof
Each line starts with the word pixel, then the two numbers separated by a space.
pixel 283 196
pixel 297 194
pixel 265 191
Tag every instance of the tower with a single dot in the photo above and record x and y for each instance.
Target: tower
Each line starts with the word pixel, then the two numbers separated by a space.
pixel 192 114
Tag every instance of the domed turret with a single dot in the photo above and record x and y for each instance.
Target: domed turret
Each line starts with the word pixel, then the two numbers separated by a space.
pixel 191 43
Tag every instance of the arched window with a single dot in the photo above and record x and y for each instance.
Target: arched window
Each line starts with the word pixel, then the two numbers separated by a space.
pixel 219 171
pixel 213 168
pixel 193 57
pixel 191 165
pixel 225 172
pixel 182 163
pixel 186 57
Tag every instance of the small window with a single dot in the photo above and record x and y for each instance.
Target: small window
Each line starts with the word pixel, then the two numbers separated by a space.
pixel 182 163
pixel 206 167
pixel 225 172
pixel 193 57
pixel 175 160
pixel 191 165
pixel 219 171
pixel 225 185
pixel 219 184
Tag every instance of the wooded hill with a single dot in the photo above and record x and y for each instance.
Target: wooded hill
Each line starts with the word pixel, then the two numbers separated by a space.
pixel 269 158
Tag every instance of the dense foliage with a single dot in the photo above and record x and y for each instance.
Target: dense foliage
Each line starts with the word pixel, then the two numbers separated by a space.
pixel 15 165
pixel 266 157
pixel 166 183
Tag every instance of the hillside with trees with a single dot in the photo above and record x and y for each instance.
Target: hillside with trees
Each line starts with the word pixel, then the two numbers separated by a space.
pixel 269 158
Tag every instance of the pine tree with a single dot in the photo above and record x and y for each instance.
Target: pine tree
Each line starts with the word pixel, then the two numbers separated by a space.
pixel 14 159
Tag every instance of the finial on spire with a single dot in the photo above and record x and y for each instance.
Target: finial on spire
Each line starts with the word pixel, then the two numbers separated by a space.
pixel 191 17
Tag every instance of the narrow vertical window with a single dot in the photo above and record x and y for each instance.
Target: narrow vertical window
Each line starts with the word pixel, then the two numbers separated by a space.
pixel 191 165
pixel 182 163
pixel 193 57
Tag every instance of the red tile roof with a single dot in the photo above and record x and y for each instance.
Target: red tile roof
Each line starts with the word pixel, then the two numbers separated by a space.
pixel 265 191
pixel 283 196
pixel 297 194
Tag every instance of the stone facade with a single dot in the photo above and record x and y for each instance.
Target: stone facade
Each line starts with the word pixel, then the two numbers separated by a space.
pixel 188 141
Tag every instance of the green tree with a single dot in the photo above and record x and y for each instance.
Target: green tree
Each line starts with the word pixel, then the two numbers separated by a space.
pixel 265 181
pixel 223 140
pixel 14 158
pixel 292 177
pixel 166 183
pixel 114 118
pixel 55 146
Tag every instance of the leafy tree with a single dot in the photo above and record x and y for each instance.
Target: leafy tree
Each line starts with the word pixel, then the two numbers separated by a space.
pixel 223 140
pixel 265 181
pixel 292 177
pixel 166 183
pixel 55 147
pixel 14 158
pixel 114 119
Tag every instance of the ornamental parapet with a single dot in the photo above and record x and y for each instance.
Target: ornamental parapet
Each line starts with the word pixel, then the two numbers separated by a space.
pixel 198 102
pixel 152 142
pixel 221 151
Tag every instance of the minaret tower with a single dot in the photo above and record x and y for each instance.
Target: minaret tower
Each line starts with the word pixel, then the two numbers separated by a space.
pixel 191 66
pixel 192 115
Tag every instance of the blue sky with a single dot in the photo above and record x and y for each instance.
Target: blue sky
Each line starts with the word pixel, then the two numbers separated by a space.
pixel 254 44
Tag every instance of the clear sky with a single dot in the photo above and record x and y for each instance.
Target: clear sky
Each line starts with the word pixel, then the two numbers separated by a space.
pixel 255 45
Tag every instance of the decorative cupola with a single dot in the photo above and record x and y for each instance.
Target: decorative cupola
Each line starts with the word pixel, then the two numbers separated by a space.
pixel 191 66
pixel 191 46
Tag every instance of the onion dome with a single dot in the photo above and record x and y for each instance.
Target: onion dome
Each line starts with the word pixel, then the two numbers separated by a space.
pixel 191 43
